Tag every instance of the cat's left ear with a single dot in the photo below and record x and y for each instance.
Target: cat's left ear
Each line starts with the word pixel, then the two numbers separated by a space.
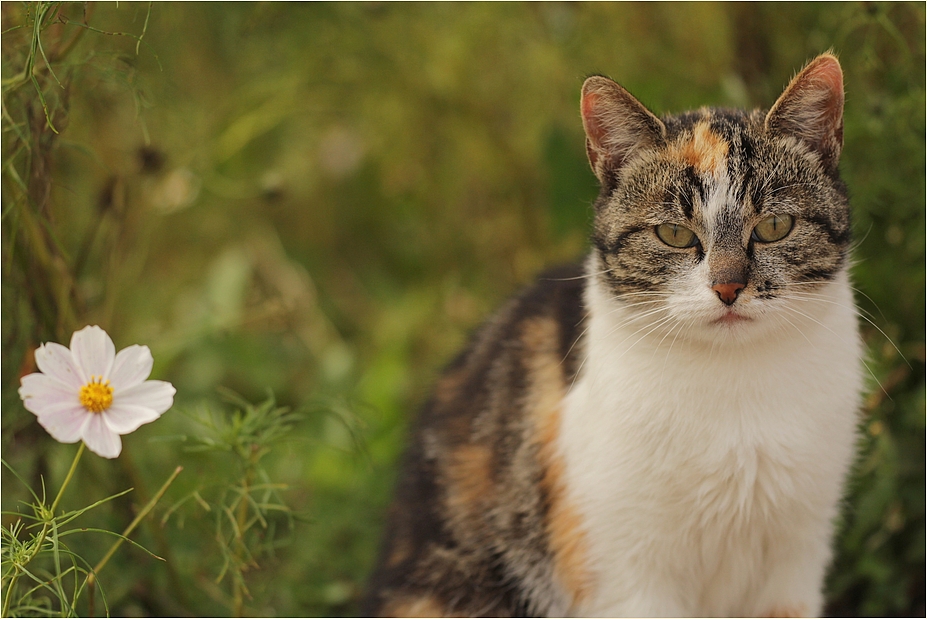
pixel 811 109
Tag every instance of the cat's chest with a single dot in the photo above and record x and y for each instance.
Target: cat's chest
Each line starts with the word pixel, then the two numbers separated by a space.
pixel 687 441
pixel 699 460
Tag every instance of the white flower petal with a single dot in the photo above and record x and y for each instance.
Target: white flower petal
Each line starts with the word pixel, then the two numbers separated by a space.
pixel 56 361
pixel 131 367
pixel 93 351
pixel 39 392
pixel 155 394
pixel 67 424
pixel 54 409
pixel 100 439
pixel 125 418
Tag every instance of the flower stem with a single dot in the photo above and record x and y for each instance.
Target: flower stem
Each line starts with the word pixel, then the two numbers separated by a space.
pixel 92 576
pixel 47 516
pixel 67 479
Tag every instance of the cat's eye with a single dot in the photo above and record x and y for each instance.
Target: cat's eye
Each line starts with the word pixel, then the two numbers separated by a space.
pixel 675 235
pixel 773 228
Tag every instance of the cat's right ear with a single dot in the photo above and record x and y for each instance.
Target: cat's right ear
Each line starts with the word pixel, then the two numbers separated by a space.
pixel 617 126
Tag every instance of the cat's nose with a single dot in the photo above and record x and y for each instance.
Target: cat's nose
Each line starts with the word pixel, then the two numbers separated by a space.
pixel 728 292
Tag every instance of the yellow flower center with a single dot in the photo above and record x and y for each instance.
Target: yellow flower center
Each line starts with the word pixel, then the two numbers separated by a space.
pixel 96 396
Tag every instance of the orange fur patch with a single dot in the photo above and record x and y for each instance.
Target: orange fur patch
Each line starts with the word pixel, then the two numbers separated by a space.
pixel 399 553
pixel 469 477
pixel 705 151
pixel 787 611
pixel 546 391
pixel 425 606
pixel 449 385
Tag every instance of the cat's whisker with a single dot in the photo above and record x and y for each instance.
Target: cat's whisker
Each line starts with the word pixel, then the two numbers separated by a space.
pixel 656 325
pixel 621 303
pixel 814 296
pixel 665 335
pixel 573 279
pixel 641 293
pixel 635 318
pixel 821 324
pixel 856 244
pixel 653 327
pixel 663 339
pixel 859 313
pixel 682 327
pixel 795 327
pixel 621 307
pixel 572 346
pixel 854 289
pixel 624 303
pixel 637 313
pixel 870 299
pixel 778 189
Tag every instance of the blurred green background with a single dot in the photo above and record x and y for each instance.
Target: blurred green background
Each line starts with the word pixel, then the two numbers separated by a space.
pixel 323 200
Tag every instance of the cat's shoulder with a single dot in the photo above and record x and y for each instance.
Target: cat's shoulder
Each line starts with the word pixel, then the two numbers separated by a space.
pixel 555 298
pixel 547 315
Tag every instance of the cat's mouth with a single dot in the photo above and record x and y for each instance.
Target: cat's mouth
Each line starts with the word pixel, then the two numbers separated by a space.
pixel 731 317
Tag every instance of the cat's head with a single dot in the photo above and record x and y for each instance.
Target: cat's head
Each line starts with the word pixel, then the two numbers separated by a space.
pixel 719 219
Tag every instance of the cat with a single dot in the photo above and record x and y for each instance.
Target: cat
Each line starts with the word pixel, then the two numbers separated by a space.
pixel 666 429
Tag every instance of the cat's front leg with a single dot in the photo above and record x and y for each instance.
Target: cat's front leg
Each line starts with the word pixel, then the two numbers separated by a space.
pixel 643 604
pixel 794 585
pixel 641 592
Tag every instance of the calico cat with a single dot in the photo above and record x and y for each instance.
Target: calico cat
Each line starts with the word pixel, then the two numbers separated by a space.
pixel 666 430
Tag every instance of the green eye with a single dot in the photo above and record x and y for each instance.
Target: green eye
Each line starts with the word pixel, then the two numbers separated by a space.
pixel 773 228
pixel 675 235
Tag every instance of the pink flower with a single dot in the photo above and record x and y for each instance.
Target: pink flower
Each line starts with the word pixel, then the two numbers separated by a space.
pixel 92 394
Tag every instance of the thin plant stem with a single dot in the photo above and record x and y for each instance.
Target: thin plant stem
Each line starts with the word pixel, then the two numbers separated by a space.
pixel 238 587
pixel 164 548
pixel 67 479
pixel 91 577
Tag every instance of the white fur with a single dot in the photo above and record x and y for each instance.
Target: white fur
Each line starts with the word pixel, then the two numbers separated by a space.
pixel 707 460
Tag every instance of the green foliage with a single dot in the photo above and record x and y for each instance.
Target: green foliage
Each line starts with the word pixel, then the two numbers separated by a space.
pixel 35 581
pixel 246 505
pixel 324 199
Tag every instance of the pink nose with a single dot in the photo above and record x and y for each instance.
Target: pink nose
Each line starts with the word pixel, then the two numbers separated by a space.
pixel 728 292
